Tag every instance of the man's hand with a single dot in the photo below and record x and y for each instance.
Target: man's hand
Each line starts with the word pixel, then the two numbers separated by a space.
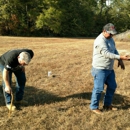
pixel 125 57
pixel 120 63
pixel 8 90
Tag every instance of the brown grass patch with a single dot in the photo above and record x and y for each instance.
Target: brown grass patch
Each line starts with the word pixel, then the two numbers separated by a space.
pixel 61 102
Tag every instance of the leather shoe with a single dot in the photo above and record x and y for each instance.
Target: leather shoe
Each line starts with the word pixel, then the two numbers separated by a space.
pixel 108 108
pixel 97 111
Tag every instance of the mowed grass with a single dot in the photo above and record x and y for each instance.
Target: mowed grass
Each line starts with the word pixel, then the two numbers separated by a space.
pixel 61 102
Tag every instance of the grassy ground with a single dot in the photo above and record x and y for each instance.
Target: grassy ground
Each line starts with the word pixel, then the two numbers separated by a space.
pixel 61 102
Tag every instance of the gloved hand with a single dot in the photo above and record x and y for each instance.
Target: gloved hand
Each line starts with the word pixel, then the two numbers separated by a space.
pixel 121 64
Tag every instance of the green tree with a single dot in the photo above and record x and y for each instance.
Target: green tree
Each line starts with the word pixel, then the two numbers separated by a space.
pixel 115 11
pixel 120 14
pixel 67 17
pixel 18 16
pixel 62 17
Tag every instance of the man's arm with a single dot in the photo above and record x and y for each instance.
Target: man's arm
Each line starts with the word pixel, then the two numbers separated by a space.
pixel 120 61
pixel 107 54
pixel 6 80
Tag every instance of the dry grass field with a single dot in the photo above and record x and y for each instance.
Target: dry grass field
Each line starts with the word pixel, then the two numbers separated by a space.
pixel 61 101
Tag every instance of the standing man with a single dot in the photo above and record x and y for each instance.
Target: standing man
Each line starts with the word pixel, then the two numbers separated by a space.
pixel 104 54
pixel 14 61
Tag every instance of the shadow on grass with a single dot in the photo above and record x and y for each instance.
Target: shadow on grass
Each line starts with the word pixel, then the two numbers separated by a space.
pixel 122 101
pixel 2 100
pixel 40 97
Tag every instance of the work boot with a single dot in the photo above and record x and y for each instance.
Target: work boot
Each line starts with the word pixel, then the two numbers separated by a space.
pixel 9 107
pixel 21 102
pixel 108 108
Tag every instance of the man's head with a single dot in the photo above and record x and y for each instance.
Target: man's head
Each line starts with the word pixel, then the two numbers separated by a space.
pixel 24 58
pixel 109 30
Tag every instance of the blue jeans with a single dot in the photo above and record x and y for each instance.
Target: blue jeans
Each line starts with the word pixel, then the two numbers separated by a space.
pixel 20 84
pixel 101 77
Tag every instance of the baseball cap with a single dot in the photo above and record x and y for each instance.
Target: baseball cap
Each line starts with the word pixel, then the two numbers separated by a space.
pixel 110 28
pixel 25 56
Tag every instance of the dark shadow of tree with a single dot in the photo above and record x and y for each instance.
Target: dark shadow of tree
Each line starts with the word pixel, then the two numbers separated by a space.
pixel 2 100
pixel 41 97
pixel 36 96
pixel 122 102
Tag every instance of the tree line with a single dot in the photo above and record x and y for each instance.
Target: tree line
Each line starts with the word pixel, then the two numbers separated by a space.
pixel 62 18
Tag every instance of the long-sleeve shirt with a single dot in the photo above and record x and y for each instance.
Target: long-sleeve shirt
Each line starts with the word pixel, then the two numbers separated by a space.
pixel 104 53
